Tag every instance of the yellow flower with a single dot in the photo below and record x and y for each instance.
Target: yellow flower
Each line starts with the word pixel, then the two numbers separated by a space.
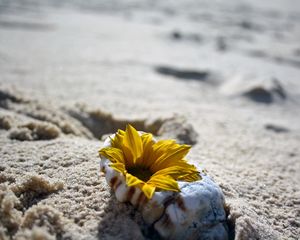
pixel 151 166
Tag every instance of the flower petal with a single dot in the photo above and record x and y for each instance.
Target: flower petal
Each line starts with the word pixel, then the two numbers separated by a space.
pixel 164 182
pixel 148 190
pixel 132 180
pixel 113 154
pixel 177 172
pixel 160 147
pixel 147 140
pixel 128 157
pixel 190 177
pixel 171 157
pixel 132 143
pixel 117 141
pixel 120 167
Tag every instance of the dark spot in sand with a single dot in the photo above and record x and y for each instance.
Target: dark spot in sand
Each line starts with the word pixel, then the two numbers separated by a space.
pixel 276 128
pixel 186 74
pixel 32 26
pixel 292 154
pixel 259 94
pixel 267 95
pixel 178 36
pixel 221 44
pixel 247 25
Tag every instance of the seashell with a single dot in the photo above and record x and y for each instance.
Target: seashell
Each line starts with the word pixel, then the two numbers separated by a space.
pixel 196 212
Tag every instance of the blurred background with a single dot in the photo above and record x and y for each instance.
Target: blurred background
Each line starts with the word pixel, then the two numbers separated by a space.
pixel 213 62
pixel 145 57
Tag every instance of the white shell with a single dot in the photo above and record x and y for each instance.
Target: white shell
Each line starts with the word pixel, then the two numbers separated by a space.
pixel 196 212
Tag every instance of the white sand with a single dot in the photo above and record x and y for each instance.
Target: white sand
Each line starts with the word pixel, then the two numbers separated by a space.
pixel 228 72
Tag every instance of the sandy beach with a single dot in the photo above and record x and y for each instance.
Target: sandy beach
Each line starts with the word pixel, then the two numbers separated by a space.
pixel 222 76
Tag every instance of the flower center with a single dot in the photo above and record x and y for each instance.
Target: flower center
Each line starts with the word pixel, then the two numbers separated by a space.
pixel 141 173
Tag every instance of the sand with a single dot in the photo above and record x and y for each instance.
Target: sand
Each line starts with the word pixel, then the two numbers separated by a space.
pixel 223 77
